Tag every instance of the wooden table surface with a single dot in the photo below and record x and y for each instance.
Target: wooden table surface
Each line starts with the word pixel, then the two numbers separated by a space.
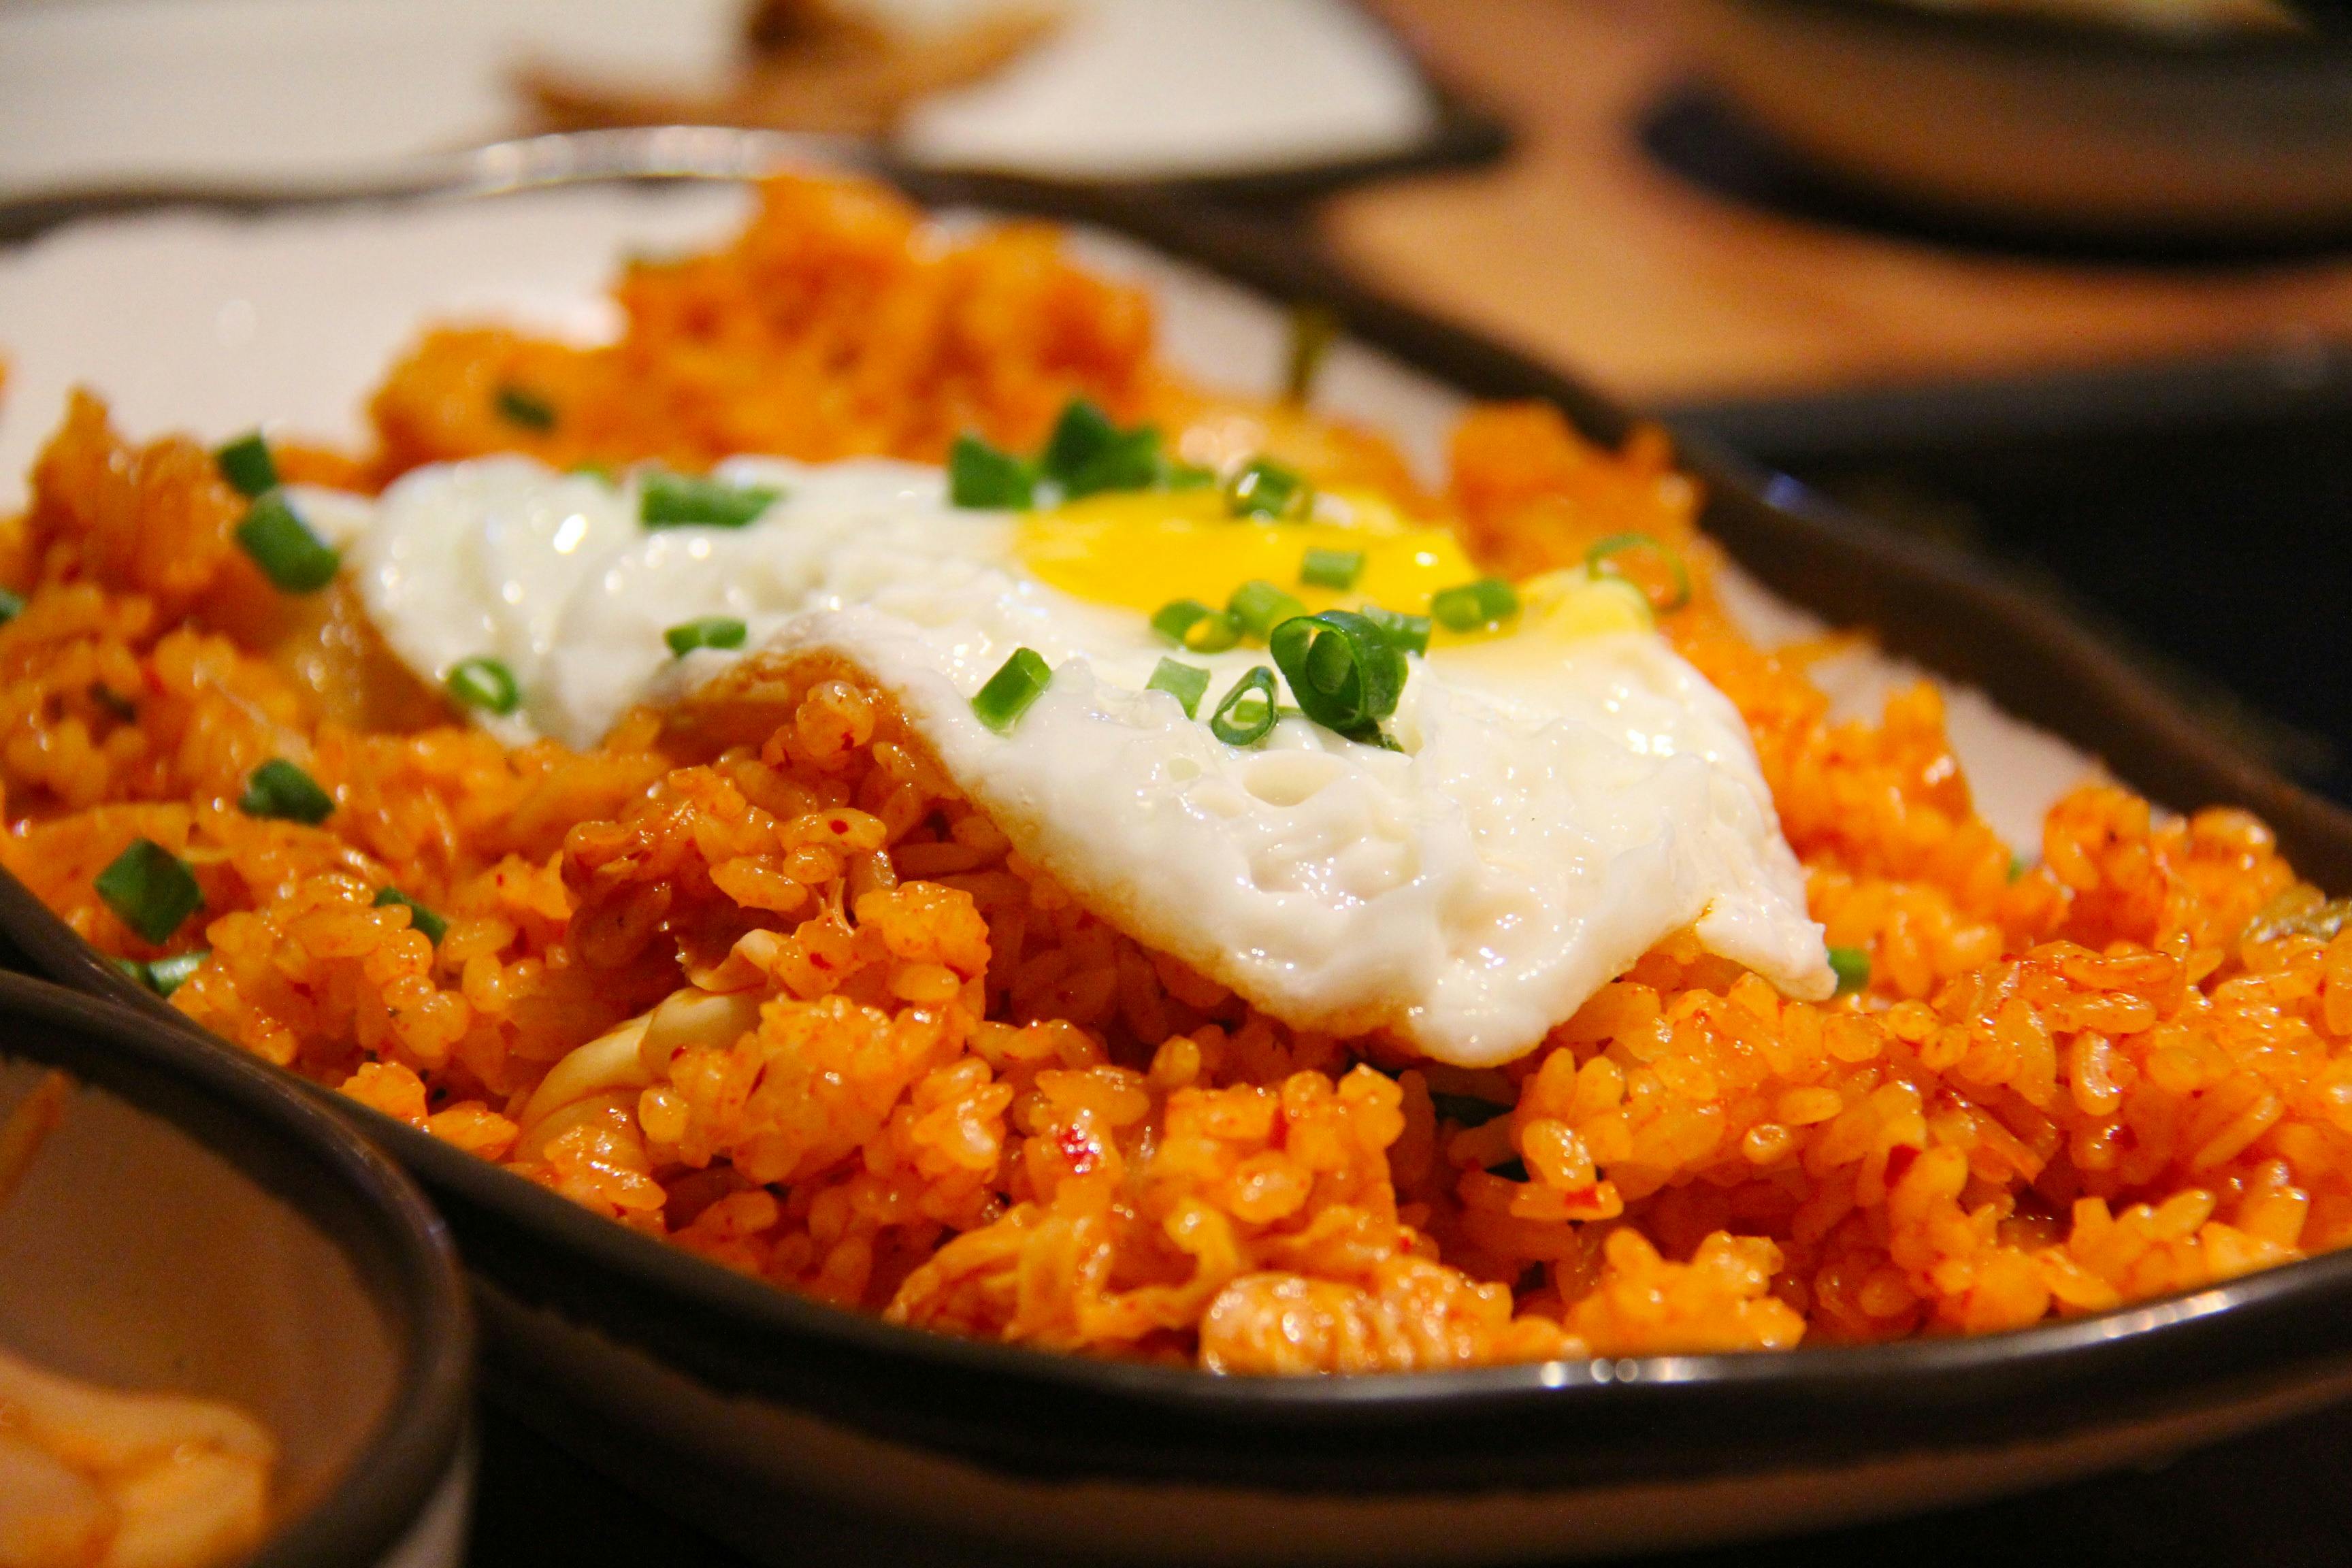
pixel 1585 249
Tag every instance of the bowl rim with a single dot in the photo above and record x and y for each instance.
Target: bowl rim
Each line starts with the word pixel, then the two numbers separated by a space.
pixel 246 1113
pixel 994 1403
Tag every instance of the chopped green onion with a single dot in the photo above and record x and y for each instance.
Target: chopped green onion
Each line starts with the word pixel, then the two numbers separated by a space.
pixel 1342 671
pixel 167 976
pixel 686 500
pixel 419 917
pixel 1406 634
pixel 1088 454
pixel 246 465
pixel 281 790
pixel 1511 1170
pixel 11 607
pixel 981 476
pixel 134 971
pixel 1852 966
pixel 1185 682
pixel 1467 1108
pixel 1247 713
pixel 150 888
pixel 1263 488
pixel 1190 623
pixel 1488 601
pixel 1017 683
pixel 1601 561
pixel 2018 866
pixel 710 631
pixel 1312 330
pixel 297 560
pixel 1332 568
pixel 1177 475
pixel 519 405
pixel 485 683
pixel 1257 606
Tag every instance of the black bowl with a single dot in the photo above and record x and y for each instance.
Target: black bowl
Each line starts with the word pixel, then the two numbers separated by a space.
pixel 196 1225
pixel 735 1404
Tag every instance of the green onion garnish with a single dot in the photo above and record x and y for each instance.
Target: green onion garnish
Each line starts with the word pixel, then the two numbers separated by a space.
pixel 1017 683
pixel 1176 475
pixel 297 560
pixel 1332 568
pixel 710 631
pixel 246 465
pixel 167 976
pixel 1088 454
pixel 1488 601
pixel 1263 488
pixel 685 501
pixel 519 405
pixel 1188 623
pixel 11 607
pixel 1257 606
pixel 281 790
pixel 484 683
pixel 1852 966
pixel 1247 713
pixel 150 888
pixel 1602 560
pixel 2018 866
pixel 1466 1108
pixel 1406 634
pixel 419 917
pixel 1342 671
pixel 1185 682
pixel 1312 328
pixel 981 476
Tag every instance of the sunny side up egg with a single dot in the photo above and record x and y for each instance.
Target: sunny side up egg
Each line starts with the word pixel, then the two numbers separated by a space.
pixel 1561 795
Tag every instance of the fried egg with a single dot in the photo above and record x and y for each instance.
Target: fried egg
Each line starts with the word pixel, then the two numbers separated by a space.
pixel 1562 793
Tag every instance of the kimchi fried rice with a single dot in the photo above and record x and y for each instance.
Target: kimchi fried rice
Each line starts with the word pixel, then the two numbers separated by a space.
pixel 752 976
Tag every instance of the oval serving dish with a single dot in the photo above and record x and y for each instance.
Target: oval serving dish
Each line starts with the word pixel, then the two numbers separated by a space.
pixel 192 1225
pixel 734 1405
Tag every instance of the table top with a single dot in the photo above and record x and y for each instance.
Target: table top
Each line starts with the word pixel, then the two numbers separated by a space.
pixel 1588 249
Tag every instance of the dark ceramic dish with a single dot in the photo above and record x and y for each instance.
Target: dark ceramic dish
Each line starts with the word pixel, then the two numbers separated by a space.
pixel 196 1225
pixel 732 1403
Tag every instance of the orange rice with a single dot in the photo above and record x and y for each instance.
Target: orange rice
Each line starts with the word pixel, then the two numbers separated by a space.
pixel 837 1036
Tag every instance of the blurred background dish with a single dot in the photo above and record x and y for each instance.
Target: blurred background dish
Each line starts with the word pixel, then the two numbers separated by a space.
pixel 137 91
pixel 183 1223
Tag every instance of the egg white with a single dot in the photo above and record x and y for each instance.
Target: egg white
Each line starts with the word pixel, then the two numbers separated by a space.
pixel 1556 808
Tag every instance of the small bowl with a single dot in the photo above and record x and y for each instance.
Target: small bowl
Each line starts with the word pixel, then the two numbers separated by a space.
pixel 196 1225
pixel 2042 128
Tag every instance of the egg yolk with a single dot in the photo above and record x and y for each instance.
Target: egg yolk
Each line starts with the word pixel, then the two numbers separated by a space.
pixel 1142 549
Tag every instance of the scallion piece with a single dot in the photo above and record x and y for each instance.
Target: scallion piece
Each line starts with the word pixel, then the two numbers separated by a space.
pixel 1263 488
pixel 520 405
pixel 167 976
pixel 686 500
pixel 981 476
pixel 419 917
pixel 1332 568
pixel 1190 623
pixel 1088 454
pixel 1313 329
pixel 150 888
pixel 485 683
pixel 1257 606
pixel 2018 866
pixel 11 607
pixel 1607 559
pixel 1247 715
pixel 1488 601
pixel 1186 682
pixel 297 560
pixel 279 790
pixel 1341 670
pixel 1177 475
pixel 246 465
pixel 710 631
pixel 1017 683
pixel 1406 634
pixel 1852 966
